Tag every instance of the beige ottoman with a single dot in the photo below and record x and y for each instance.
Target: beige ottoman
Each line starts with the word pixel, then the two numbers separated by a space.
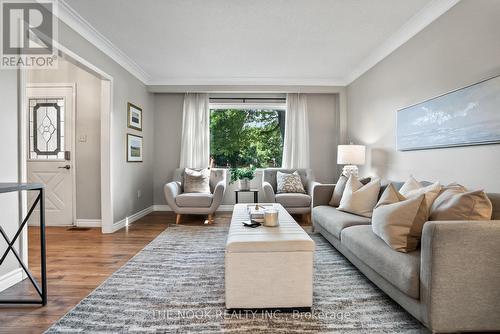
pixel 268 267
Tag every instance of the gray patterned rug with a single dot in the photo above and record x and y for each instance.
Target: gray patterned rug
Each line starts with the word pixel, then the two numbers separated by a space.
pixel 176 285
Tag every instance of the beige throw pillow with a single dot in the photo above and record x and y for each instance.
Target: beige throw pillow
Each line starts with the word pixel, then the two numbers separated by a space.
pixel 399 220
pixel 413 188
pixel 339 189
pixel 457 203
pixel 358 198
pixel 289 183
pixel 196 181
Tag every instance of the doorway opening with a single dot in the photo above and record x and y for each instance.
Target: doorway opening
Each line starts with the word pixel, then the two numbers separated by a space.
pixel 64 138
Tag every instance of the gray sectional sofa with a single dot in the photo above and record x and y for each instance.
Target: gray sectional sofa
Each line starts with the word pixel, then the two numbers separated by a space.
pixel 451 284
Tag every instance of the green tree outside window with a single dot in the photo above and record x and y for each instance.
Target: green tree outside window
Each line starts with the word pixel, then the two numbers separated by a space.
pixel 244 137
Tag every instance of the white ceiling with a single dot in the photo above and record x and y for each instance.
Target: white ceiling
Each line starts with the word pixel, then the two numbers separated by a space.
pixel 306 42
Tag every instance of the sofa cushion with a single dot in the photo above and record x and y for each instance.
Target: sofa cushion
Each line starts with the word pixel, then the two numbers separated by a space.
pixel 194 200
pixel 270 176
pixel 399 220
pixel 338 191
pixel 196 181
pixel 400 269
pixel 334 221
pixel 340 187
pixel 457 203
pixel 358 198
pixel 293 200
pixel 412 188
pixel 289 183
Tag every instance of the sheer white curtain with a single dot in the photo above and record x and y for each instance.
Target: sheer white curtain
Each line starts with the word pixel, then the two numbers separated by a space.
pixel 296 142
pixel 195 143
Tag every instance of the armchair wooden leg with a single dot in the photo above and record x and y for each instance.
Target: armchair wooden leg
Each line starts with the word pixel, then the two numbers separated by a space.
pixel 178 219
pixel 306 217
pixel 211 218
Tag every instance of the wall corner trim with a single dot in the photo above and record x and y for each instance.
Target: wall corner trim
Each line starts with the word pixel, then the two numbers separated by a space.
pixel 417 23
pixel 75 21
pixel 132 218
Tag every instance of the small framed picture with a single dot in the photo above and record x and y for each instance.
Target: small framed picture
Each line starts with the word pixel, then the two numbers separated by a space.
pixel 134 148
pixel 134 117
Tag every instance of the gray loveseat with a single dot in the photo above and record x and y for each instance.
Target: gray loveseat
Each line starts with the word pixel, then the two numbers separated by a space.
pixel 451 284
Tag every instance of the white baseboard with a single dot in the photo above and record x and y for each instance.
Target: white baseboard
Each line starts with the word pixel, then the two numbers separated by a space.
pixel 225 207
pixel 130 219
pixel 161 208
pixel 222 207
pixel 158 207
pixel 88 223
pixel 9 279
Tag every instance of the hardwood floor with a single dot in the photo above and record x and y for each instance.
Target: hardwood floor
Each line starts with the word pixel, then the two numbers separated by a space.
pixel 78 261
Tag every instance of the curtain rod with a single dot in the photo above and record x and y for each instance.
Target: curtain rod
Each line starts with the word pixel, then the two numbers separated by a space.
pixel 250 98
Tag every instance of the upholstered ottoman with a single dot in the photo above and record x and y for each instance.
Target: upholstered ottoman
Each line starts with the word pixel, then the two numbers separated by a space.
pixel 268 267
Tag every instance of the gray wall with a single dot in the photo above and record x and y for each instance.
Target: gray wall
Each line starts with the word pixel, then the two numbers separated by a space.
pixel 128 178
pixel 323 123
pixel 88 114
pixel 459 48
pixel 8 161
pixel 324 133
pixel 167 141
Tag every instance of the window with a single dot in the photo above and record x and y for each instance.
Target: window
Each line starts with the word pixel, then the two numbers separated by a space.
pixel 243 135
pixel 46 129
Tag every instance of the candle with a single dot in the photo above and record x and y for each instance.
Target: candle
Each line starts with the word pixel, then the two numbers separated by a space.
pixel 271 218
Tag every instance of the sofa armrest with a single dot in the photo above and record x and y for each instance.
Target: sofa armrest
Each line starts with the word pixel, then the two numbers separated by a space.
pixel 269 195
pixel 460 275
pixel 172 190
pixel 218 195
pixel 322 194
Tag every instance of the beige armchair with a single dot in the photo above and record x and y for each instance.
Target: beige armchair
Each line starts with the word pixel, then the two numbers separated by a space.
pixel 292 202
pixel 196 203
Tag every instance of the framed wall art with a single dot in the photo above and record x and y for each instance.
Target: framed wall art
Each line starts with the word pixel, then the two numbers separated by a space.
pixel 134 117
pixel 463 117
pixel 134 148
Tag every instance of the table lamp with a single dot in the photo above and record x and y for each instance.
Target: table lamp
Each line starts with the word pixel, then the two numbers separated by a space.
pixel 351 156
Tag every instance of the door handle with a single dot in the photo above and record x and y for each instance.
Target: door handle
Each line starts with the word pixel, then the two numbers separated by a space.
pixel 65 167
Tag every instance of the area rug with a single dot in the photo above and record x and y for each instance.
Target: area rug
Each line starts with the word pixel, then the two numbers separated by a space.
pixel 176 285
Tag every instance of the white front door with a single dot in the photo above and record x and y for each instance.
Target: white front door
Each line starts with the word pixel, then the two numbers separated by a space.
pixel 50 150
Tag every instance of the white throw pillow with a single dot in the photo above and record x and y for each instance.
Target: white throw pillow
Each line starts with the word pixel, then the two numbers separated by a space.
pixel 358 198
pixel 412 188
pixel 196 181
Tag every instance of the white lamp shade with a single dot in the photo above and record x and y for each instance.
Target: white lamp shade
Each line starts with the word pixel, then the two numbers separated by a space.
pixel 351 155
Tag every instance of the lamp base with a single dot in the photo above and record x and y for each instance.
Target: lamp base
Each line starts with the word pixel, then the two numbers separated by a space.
pixel 349 170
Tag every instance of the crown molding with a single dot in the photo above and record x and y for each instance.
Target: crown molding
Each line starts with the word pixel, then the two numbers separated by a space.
pixel 417 23
pixel 75 21
pixel 246 89
pixel 252 81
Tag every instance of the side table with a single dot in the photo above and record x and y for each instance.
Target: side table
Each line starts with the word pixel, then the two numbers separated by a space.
pixel 16 187
pixel 254 191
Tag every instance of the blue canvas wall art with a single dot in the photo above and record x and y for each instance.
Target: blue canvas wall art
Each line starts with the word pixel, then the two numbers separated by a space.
pixel 467 116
